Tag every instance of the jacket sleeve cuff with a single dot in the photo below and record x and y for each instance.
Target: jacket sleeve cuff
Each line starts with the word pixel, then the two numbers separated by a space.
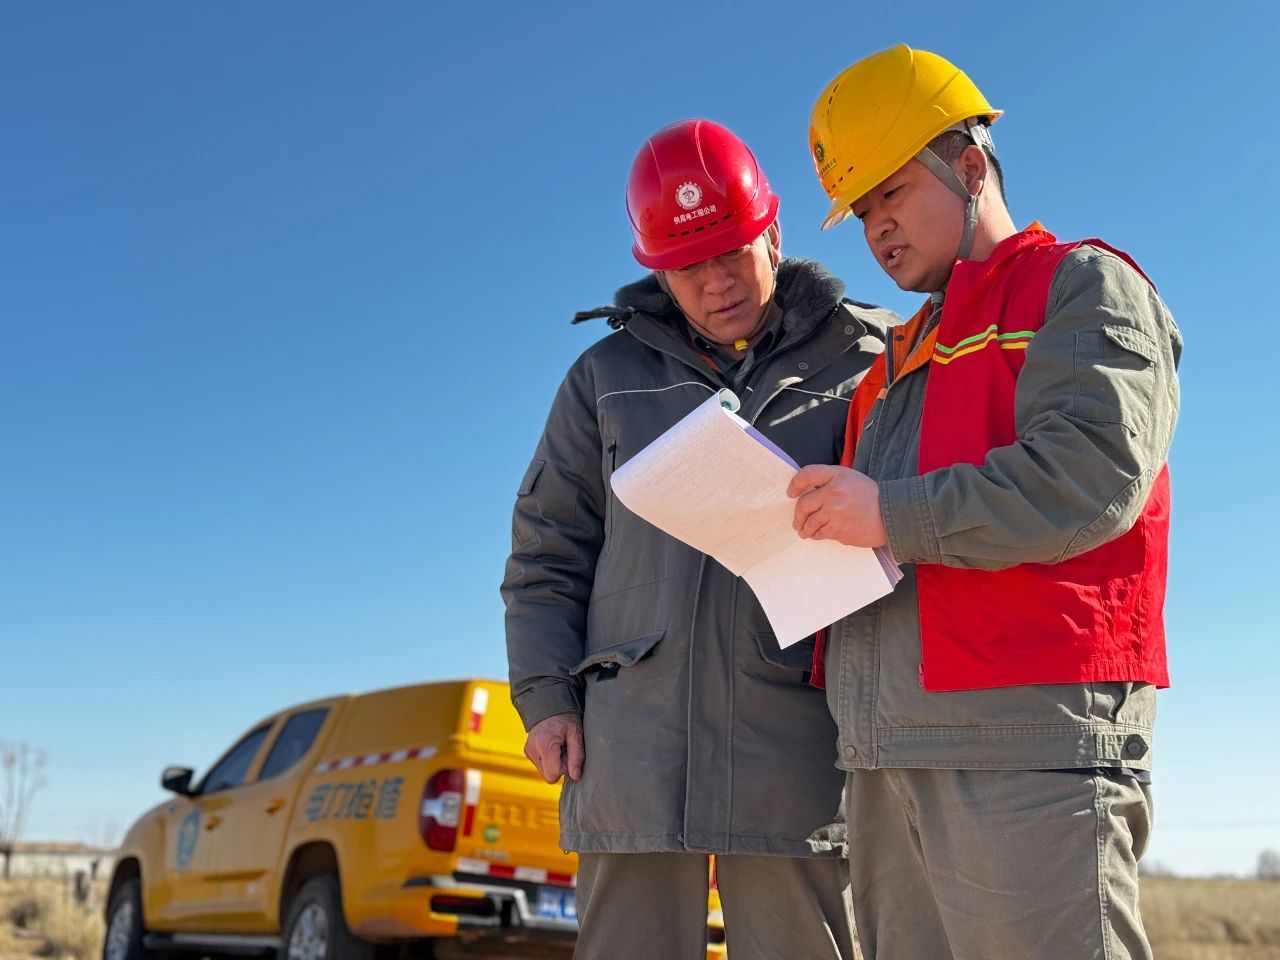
pixel 547 700
pixel 908 522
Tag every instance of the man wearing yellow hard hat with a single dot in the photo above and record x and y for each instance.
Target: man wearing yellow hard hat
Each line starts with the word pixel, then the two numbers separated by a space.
pixel 995 712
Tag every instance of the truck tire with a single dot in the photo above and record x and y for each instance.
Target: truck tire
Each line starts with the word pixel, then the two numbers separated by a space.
pixel 123 940
pixel 316 929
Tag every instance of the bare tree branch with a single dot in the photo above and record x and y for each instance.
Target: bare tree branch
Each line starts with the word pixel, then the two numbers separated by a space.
pixel 22 769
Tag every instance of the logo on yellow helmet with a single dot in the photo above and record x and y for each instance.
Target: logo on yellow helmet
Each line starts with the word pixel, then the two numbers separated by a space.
pixel 820 158
pixel 688 195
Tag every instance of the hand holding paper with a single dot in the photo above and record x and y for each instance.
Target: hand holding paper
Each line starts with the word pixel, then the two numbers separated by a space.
pixel 836 503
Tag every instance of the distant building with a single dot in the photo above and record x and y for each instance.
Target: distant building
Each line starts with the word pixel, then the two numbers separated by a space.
pixel 60 860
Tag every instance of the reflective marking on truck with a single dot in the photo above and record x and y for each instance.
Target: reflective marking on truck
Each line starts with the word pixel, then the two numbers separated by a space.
pixel 479 707
pixel 369 759
pixel 472 798
pixel 527 874
pixel 355 800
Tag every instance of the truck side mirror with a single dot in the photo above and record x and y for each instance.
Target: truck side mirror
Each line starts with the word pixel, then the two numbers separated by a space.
pixel 177 780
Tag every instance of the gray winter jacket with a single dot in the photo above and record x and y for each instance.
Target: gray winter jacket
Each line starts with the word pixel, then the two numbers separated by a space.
pixel 701 734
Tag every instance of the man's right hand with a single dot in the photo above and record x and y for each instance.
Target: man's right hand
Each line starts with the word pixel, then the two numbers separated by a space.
pixel 555 747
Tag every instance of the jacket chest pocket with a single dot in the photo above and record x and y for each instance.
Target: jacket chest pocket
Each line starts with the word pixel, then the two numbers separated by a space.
pixel 610 463
pixel 808 425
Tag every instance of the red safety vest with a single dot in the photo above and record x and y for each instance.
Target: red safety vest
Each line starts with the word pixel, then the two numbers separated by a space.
pixel 1096 617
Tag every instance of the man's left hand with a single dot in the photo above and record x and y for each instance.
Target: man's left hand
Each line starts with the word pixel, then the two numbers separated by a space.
pixel 836 503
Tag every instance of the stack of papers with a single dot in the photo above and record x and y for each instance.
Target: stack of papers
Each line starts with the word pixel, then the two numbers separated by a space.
pixel 718 484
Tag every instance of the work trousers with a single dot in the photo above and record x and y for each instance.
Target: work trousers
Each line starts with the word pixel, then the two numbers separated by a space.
pixel 653 906
pixel 997 864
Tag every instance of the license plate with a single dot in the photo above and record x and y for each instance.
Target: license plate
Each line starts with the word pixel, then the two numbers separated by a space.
pixel 557 903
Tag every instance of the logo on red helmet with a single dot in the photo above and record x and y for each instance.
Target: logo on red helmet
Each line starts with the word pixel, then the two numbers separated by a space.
pixel 688 195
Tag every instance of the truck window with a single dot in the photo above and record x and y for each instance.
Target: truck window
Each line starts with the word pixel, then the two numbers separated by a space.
pixel 294 741
pixel 231 769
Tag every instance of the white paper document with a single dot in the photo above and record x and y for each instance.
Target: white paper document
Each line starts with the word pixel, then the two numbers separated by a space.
pixel 719 485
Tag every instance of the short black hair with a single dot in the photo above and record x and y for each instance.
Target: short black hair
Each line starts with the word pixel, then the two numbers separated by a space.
pixel 949 144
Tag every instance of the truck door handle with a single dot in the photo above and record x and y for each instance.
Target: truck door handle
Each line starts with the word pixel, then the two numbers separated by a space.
pixel 212 822
pixel 274 804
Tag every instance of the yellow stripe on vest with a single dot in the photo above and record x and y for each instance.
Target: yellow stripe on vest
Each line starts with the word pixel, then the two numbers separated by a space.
pixel 980 341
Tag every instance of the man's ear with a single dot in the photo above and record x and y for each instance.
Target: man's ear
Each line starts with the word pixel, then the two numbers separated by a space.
pixel 974 168
pixel 774 236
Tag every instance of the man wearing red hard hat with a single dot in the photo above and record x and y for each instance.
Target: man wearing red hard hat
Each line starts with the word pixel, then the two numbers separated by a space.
pixel 646 673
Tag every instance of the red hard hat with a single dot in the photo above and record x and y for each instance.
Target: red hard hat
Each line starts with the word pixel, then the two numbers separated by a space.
pixel 695 192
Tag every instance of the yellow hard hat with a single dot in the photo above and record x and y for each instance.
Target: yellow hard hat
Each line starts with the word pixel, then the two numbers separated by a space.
pixel 880 113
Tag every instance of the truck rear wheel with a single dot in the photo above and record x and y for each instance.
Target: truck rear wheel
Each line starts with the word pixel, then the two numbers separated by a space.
pixel 316 929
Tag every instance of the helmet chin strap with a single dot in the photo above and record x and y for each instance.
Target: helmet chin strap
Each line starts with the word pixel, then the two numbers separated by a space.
pixel 942 170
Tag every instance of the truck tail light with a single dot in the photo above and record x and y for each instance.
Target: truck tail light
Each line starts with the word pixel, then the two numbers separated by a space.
pixel 441 809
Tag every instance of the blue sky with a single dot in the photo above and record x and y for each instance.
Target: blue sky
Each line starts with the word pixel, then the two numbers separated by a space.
pixel 284 297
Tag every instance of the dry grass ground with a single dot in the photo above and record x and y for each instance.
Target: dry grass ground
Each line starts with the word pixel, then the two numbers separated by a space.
pixel 1212 919
pixel 41 918
pixel 1186 919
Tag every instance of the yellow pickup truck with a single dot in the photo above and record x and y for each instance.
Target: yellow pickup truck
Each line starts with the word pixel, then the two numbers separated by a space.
pixel 407 816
